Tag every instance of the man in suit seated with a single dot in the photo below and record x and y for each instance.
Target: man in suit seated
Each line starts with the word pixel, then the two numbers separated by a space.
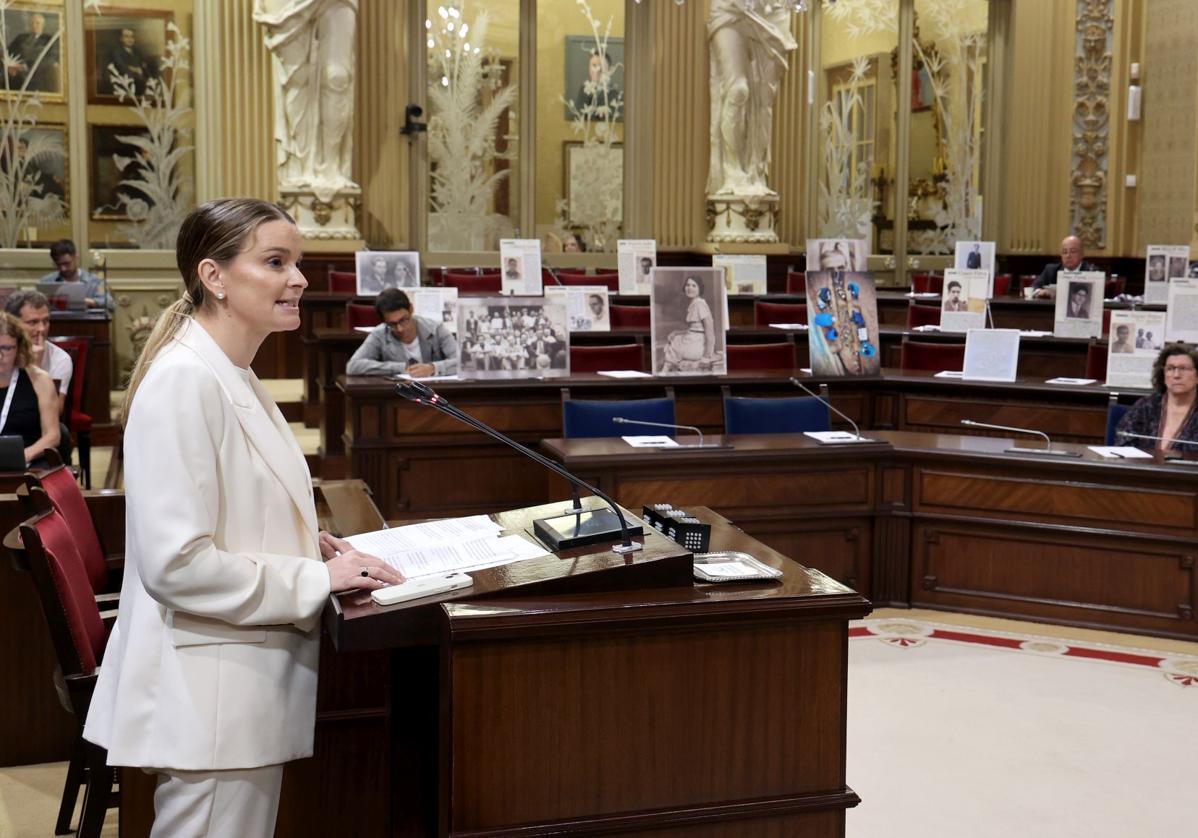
pixel 1073 258
pixel 403 342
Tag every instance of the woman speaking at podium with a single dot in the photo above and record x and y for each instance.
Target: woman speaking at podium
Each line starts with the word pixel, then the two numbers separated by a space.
pixel 209 677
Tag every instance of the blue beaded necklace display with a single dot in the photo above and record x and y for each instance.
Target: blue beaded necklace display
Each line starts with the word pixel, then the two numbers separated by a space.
pixel 841 304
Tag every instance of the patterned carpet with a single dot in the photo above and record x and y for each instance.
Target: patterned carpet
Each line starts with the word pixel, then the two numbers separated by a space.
pixel 979 731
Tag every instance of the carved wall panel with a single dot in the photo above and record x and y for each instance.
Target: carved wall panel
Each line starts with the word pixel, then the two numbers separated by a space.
pixel 1091 121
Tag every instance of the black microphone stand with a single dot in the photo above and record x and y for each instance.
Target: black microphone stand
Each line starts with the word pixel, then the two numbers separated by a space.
pixel 425 395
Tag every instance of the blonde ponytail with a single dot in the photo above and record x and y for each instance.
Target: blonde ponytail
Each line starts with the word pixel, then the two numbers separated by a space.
pixel 165 328
pixel 216 230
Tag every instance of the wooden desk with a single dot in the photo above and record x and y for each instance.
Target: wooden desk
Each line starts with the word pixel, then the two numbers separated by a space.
pixel 422 464
pixel 943 521
pixel 614 710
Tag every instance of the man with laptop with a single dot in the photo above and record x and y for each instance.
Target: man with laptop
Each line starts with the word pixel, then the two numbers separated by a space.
pixel 80 288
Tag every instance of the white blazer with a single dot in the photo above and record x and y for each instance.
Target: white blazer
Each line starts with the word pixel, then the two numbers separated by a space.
pixel 212 662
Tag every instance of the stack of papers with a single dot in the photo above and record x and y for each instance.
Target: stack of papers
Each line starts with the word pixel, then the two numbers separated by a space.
pixel 1074 381
pixel 802 327
pixel 457 544
pixel 950 374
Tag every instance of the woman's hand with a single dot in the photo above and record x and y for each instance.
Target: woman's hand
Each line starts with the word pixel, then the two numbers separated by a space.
pixel 345 566
pixel 354 570
pixel 331 545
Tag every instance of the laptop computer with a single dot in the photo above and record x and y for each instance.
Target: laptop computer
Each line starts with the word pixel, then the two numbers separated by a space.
pixel 12 453
pixel 64 295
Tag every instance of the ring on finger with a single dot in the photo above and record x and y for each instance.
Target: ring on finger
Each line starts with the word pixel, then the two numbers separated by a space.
pixel 365 571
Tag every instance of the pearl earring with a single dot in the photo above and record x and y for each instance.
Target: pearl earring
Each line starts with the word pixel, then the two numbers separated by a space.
pixel 220 295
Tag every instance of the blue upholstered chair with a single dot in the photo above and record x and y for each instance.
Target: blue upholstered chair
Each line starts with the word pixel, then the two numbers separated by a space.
pixel 1114 415
pixel 585 419
pixel 744 415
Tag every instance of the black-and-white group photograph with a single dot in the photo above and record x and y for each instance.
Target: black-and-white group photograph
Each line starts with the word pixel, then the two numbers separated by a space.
pixel 513 337
pixel 379 269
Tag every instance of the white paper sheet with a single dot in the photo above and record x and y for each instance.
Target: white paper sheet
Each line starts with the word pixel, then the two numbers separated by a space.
pixel 650 441
pixel 800 327
pixel 383 543
pixel 728 569
pixel 949 374
pixel 991 354
pixel 834 436
pixel 625 374
pixel 1073 381
pixel 1120 452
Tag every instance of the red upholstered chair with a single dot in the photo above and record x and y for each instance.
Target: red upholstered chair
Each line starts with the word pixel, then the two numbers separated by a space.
pixel 58 487
pixel 1002 285
pixel 357 314
pixel 630 317
pixel 1106 321
pixel 343 282
pixel 766 313
pixel 78 422
pixel 916 355
pixel 927 283
pixel 575 271
pixel 78 634
pixel 918 315
pixel 1096 356
pixel 625 356
pixel 1114 286
pixel 796 282
pixel 760 356
pixel 471 283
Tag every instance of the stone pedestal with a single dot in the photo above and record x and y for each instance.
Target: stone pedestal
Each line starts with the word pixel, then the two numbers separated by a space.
pixel 732 218
pixel 334 220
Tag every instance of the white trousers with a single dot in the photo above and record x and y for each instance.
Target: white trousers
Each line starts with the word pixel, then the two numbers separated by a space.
pixel 214 804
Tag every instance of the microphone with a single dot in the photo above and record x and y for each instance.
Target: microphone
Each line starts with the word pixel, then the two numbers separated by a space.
pixel 1169 455
pixel 620 420
pixel 1015 449
pixel 828 404
pixel 559 532
pixel 553 273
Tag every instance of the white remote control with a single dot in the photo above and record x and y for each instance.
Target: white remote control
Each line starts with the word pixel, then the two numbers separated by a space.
pixel 421 587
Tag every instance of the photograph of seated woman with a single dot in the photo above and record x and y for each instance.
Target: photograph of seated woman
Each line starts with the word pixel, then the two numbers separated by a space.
pixel 517 339
pixel 28 394
pixel 1169 412
pixel 693 347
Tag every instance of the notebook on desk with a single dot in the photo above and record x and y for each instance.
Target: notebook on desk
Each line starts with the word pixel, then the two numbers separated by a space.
pixel 64 295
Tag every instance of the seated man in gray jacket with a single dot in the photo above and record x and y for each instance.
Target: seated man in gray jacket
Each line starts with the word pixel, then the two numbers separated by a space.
pixel 403 342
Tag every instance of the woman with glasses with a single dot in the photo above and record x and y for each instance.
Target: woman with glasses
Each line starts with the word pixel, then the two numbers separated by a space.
pixel 1166 421
pixel 27 393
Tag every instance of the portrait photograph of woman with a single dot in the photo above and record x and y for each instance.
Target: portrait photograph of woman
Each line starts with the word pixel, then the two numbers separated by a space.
pixel 687 321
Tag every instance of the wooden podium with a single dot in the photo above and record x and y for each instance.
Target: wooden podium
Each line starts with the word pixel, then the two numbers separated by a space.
pixel 586 693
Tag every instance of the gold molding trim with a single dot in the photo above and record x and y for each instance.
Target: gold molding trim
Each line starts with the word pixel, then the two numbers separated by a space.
pixel 1091 121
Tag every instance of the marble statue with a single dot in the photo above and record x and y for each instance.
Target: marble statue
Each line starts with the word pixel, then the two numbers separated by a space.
pixel 748 42
pixel 312 43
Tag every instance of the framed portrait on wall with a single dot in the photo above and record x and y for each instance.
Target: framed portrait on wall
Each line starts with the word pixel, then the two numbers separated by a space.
pixel 33 38
pixel 586 71
pixel 129 42
pixel 587 171
pixel 41 155
pixel 114 160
